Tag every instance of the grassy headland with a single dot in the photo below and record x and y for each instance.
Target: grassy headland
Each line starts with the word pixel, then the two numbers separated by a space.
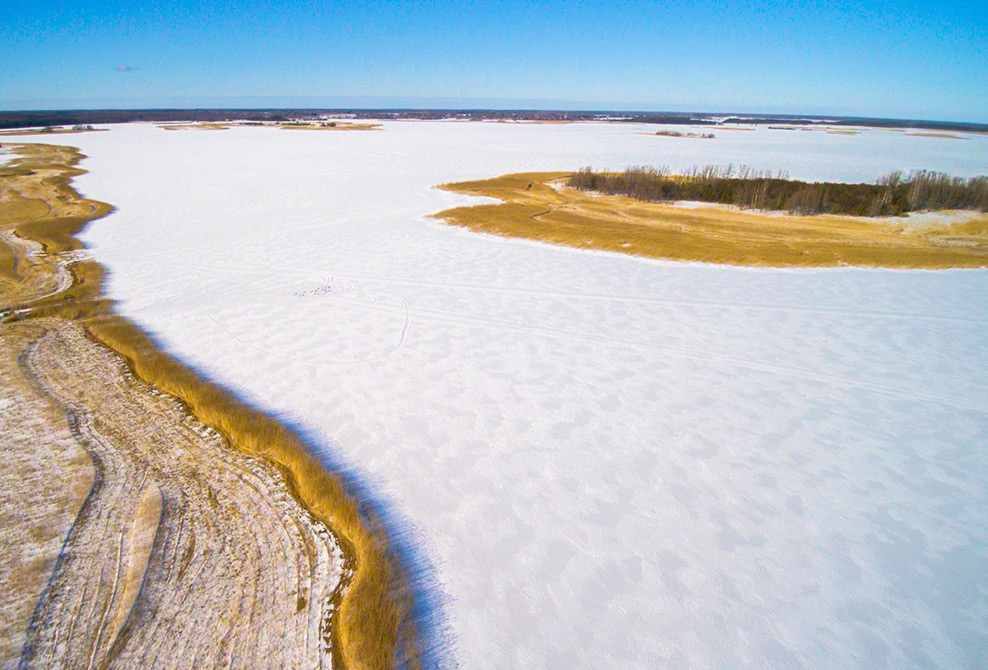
pixel 538 206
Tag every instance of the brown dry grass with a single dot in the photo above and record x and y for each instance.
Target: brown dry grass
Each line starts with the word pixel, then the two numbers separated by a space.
pixel 340 125
pixel 7 272
pixel 195 126
pixel 532 209
pixel 373 619
pixel 944 135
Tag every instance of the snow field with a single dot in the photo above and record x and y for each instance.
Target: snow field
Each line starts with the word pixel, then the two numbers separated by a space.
pixel 609 461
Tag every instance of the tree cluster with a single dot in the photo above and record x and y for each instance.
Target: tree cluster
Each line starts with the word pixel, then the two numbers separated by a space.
pixel 891 195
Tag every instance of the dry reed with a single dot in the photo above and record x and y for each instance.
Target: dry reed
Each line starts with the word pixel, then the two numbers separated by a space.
pixel 373 623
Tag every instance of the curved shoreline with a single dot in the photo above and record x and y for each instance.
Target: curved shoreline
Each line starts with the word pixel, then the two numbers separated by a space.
pixel 379 618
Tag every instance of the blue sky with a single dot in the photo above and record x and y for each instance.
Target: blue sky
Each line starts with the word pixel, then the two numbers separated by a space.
pixel 904 59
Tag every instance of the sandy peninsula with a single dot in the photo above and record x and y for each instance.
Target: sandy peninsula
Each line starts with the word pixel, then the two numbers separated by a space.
pixel 149 517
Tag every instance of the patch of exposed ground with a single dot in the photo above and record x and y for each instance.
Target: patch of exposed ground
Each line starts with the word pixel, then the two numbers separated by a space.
pixel 147 517
pixel 535 207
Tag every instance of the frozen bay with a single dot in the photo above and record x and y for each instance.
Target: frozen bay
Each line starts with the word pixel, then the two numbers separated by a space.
pixel 608 461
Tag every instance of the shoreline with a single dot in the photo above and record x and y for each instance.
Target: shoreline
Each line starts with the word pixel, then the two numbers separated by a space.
pixel 374 616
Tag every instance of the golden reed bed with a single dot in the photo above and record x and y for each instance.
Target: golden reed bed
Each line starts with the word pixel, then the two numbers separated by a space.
pixel 149 517
pixel 532 208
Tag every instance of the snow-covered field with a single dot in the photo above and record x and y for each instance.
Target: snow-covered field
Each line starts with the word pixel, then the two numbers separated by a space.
pixel 608 461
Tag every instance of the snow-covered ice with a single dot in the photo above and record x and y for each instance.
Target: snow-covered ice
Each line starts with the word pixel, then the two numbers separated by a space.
pixel 610 462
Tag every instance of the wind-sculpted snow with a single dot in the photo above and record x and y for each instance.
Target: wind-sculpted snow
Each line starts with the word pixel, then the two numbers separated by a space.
pixel 610 461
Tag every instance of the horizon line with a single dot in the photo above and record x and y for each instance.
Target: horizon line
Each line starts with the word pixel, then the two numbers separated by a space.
pixel 433 103
pixel 816 116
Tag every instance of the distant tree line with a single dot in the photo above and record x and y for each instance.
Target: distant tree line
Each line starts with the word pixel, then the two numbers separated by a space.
pixel 27 119
pixel 24 119
pixel 894 194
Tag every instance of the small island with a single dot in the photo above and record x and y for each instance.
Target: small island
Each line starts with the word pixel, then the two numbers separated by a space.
pixel 677 133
